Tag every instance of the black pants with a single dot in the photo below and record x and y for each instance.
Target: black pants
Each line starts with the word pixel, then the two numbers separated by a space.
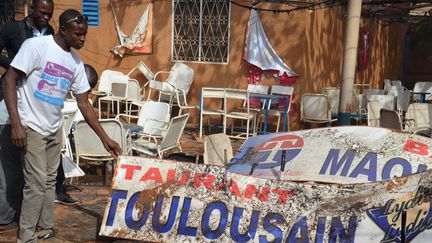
pixel 60 188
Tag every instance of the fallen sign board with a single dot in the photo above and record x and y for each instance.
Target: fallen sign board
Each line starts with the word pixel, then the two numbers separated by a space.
pixel 349 154
pixel 166 201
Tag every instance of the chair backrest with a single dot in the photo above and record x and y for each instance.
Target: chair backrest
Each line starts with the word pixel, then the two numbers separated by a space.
pixel 87 143
pixel 373 113
pixel 109 76
pixel 217 149
pixel 396 83
pixel 333 95
pixel 387 84
pixel 68 119
pixel 133 90
pixel 402 97
pixel 181 77
pixel 390 119
pixel 315 107
pixel 119 90
pixel 173 134
pixel 386 101
pixel 283 90
pixel 423 87
pixel 367 93
pixel 143 69
pixel 236 94
pixel 260 89
pixel 210 94
pixel 154 116
pixel 421 113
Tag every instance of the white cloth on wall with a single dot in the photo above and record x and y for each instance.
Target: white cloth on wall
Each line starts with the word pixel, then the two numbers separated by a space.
pixel 258 50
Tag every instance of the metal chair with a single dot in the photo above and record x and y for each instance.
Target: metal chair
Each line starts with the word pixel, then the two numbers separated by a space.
pixel 211 97
pixel 246 115
pixel 278 112
pixel 315 108
pixel 170 140
pixel 88 145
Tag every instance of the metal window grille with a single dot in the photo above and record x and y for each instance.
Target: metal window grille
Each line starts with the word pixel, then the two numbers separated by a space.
pixel 7 11
pixel 90 8
pixel 201 30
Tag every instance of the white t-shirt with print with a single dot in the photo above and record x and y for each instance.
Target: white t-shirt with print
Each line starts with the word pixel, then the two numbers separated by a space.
pixel 50 73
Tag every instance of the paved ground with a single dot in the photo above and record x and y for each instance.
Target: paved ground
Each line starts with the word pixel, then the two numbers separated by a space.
pixel 81 223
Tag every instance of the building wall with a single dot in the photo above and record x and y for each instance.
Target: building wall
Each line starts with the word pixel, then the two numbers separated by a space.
pixel 310 43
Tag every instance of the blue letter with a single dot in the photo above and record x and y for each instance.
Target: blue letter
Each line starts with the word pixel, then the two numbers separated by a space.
pixel 183 229
pixel 207 231
pixel 272 229
pixel 130 222
pixel 396 161
pixel 360 169
pixel 332 158
pixel 115 196
pixel 337 229
pixel 421 168
pixel 320 230
pixel 171 217
pixel 300 224
pixel 248 235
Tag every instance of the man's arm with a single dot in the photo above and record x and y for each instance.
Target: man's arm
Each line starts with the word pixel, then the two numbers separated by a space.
pixel 19 136
pixel 89 115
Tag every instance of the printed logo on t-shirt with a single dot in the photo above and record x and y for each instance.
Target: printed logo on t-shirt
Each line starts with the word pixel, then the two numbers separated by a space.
pixel 54 85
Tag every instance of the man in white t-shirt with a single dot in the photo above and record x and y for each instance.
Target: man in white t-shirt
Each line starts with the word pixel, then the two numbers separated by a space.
pixel 36 84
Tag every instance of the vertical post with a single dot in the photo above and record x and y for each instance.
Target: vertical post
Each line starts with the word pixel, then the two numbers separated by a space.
pixel 26 8
pixel 349 61
pixel 405 61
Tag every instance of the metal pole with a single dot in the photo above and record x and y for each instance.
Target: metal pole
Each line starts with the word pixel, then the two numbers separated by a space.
pixel 349 61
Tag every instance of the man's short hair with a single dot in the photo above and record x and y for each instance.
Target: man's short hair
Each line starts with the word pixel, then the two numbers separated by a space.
pixel 68 15
pixel 36 2
pixel 91 74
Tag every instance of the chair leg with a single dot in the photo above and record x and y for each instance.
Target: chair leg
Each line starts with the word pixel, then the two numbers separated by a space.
pixel 277 124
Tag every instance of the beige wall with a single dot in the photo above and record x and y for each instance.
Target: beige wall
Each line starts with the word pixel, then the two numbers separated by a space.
pixel 310 43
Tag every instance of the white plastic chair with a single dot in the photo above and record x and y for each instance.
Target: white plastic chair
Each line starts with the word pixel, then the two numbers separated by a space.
pixel 315 108
pixel 117 95
pixel 217 149
pixel 105 80
pixel 170 140
pixel 152 120
pixel 425 87
pixel 333 95
pixel 366 95
pixel 419 116
pixel 215 97
pixel 387 101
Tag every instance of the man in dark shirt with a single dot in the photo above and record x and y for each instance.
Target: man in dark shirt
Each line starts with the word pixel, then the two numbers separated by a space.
pixel 12 35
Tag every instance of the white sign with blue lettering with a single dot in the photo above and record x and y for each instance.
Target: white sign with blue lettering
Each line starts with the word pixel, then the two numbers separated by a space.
pixel 348 154
pixel 166 201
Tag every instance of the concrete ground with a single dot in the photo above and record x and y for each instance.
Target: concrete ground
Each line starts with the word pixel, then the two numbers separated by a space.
pixel 81 223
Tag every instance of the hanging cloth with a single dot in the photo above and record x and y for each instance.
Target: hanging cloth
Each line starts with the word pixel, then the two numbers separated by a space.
pixel 261 56
pixel 139 42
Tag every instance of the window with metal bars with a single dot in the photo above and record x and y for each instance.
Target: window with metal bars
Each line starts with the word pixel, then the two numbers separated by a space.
pixel 201 30
pixel 7 11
